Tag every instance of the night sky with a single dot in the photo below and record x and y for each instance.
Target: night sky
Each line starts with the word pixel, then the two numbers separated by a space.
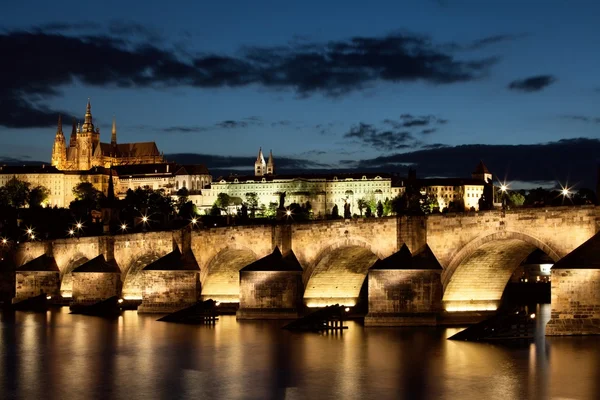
pixel 437 85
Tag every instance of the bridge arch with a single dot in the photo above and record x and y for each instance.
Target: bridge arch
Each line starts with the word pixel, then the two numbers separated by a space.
pixel 338 272
pixel 133 282
pixel 220 277
pixel 477 275
pixel 66 275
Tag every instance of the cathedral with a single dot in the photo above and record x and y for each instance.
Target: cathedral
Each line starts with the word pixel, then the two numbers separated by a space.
pixel 85 151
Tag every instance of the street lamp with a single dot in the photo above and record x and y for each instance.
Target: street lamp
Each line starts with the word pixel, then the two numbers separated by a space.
pixel 4 241
pixel 565 192
pixel 123 227
pixel 71 232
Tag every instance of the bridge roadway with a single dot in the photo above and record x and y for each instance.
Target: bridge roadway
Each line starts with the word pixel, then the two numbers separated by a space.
pixel 478 251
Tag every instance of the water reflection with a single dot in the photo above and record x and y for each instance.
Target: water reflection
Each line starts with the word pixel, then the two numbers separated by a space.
pixel 57 355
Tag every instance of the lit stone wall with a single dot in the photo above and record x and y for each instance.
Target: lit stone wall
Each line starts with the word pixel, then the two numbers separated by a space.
pixel 168 291
pixel 222 252
pixel 33 283
pixel 556 231
pixel 403 297
pixel 480 280
pixel 133 252
pixel 575 302
pixel 90 287
pixel 269 294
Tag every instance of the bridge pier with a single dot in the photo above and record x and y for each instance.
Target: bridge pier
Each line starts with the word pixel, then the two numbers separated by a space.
pixel 39 276
pixel 405 290
pixel 576 292
pixel 171 283
pixel 271 288
pixel 96 280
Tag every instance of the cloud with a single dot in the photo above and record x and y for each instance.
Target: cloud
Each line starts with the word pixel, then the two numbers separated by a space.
pixel 582 118
pixel 383 140
pixel 243 163
pixel 226 124
pixel 574 158
pixel 532 84
pixel 397 134
pixel 494 39
pixel 185 129
pixel 130 56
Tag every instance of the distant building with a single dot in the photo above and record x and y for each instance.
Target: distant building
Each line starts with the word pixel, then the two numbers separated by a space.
pixel 86 151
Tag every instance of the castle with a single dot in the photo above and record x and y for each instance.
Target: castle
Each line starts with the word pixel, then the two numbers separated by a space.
pixel 86 151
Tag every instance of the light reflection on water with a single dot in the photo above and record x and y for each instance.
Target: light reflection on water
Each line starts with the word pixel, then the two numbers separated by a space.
pixel 57 355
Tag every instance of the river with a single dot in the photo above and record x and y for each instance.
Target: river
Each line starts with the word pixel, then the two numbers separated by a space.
pixel 56 355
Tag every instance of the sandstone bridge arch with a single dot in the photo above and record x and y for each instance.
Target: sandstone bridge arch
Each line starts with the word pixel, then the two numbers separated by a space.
pixel 337 274
pixel 220 277
pixel 477 275
pixel 66 275
pixel 133 282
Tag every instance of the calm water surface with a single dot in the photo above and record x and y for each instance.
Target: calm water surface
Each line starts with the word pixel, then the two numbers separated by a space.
pixel 61 356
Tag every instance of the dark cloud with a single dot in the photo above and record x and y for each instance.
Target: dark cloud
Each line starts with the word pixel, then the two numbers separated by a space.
pixel 574 158
pixel 582 118
pixel 381 139
pixel 68 26
pixel 398 134
pixel 491 40
pixel 227 124
pixel 532 84
pixel 118 60
pixel 242 163
pixel 185 129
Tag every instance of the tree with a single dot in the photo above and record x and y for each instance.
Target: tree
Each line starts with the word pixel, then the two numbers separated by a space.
pixel 430 204
pixel 37 196
pixel 387 207
pixel 243 214
pixel 85 191
pixel 515 199
pixel 16 192
pixel 252 203
pixel 368 213
pixel 223 201
pixel 335 213
pixel 585 196
pixel 347 213
pixel 182 198
pixel 188 210
pixel 361 204
pixel 379 209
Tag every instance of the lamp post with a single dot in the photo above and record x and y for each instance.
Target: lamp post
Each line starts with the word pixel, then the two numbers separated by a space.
pixel 503 189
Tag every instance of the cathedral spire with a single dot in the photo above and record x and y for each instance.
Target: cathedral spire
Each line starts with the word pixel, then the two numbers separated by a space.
pixel 113 139
pixel 73 139
pixel 270 164
pixel 59 127
pixel 88 125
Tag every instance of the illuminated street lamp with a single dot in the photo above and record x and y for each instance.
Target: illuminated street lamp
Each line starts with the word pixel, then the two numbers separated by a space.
pixel 123 227
pixel 565 192
pixel 71 232
pixel 288 213
pixel 79 225
pixel 194 221
pixel 30 231
pixel 144 219
pixel 4 241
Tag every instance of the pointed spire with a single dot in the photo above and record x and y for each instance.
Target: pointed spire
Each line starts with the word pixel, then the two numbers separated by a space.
pixel 88 125
pixel 260 158
pixel 110 196
pixel 59 128
pixel 73 139
pixel 270 157
pixel 113 139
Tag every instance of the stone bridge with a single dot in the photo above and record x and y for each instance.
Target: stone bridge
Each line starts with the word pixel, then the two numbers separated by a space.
pixel 477 251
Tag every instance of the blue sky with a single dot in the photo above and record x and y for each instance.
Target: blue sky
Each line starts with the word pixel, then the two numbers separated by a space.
pixel 327 123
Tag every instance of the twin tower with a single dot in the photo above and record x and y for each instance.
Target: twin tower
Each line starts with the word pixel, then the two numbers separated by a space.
pixel 262 168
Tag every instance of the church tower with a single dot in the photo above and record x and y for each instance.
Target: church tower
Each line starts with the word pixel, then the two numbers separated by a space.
pixel 59 150
pixel 270 164
pixel 260 166
pixel 113 137
pixel 85 141
pixel 481 172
